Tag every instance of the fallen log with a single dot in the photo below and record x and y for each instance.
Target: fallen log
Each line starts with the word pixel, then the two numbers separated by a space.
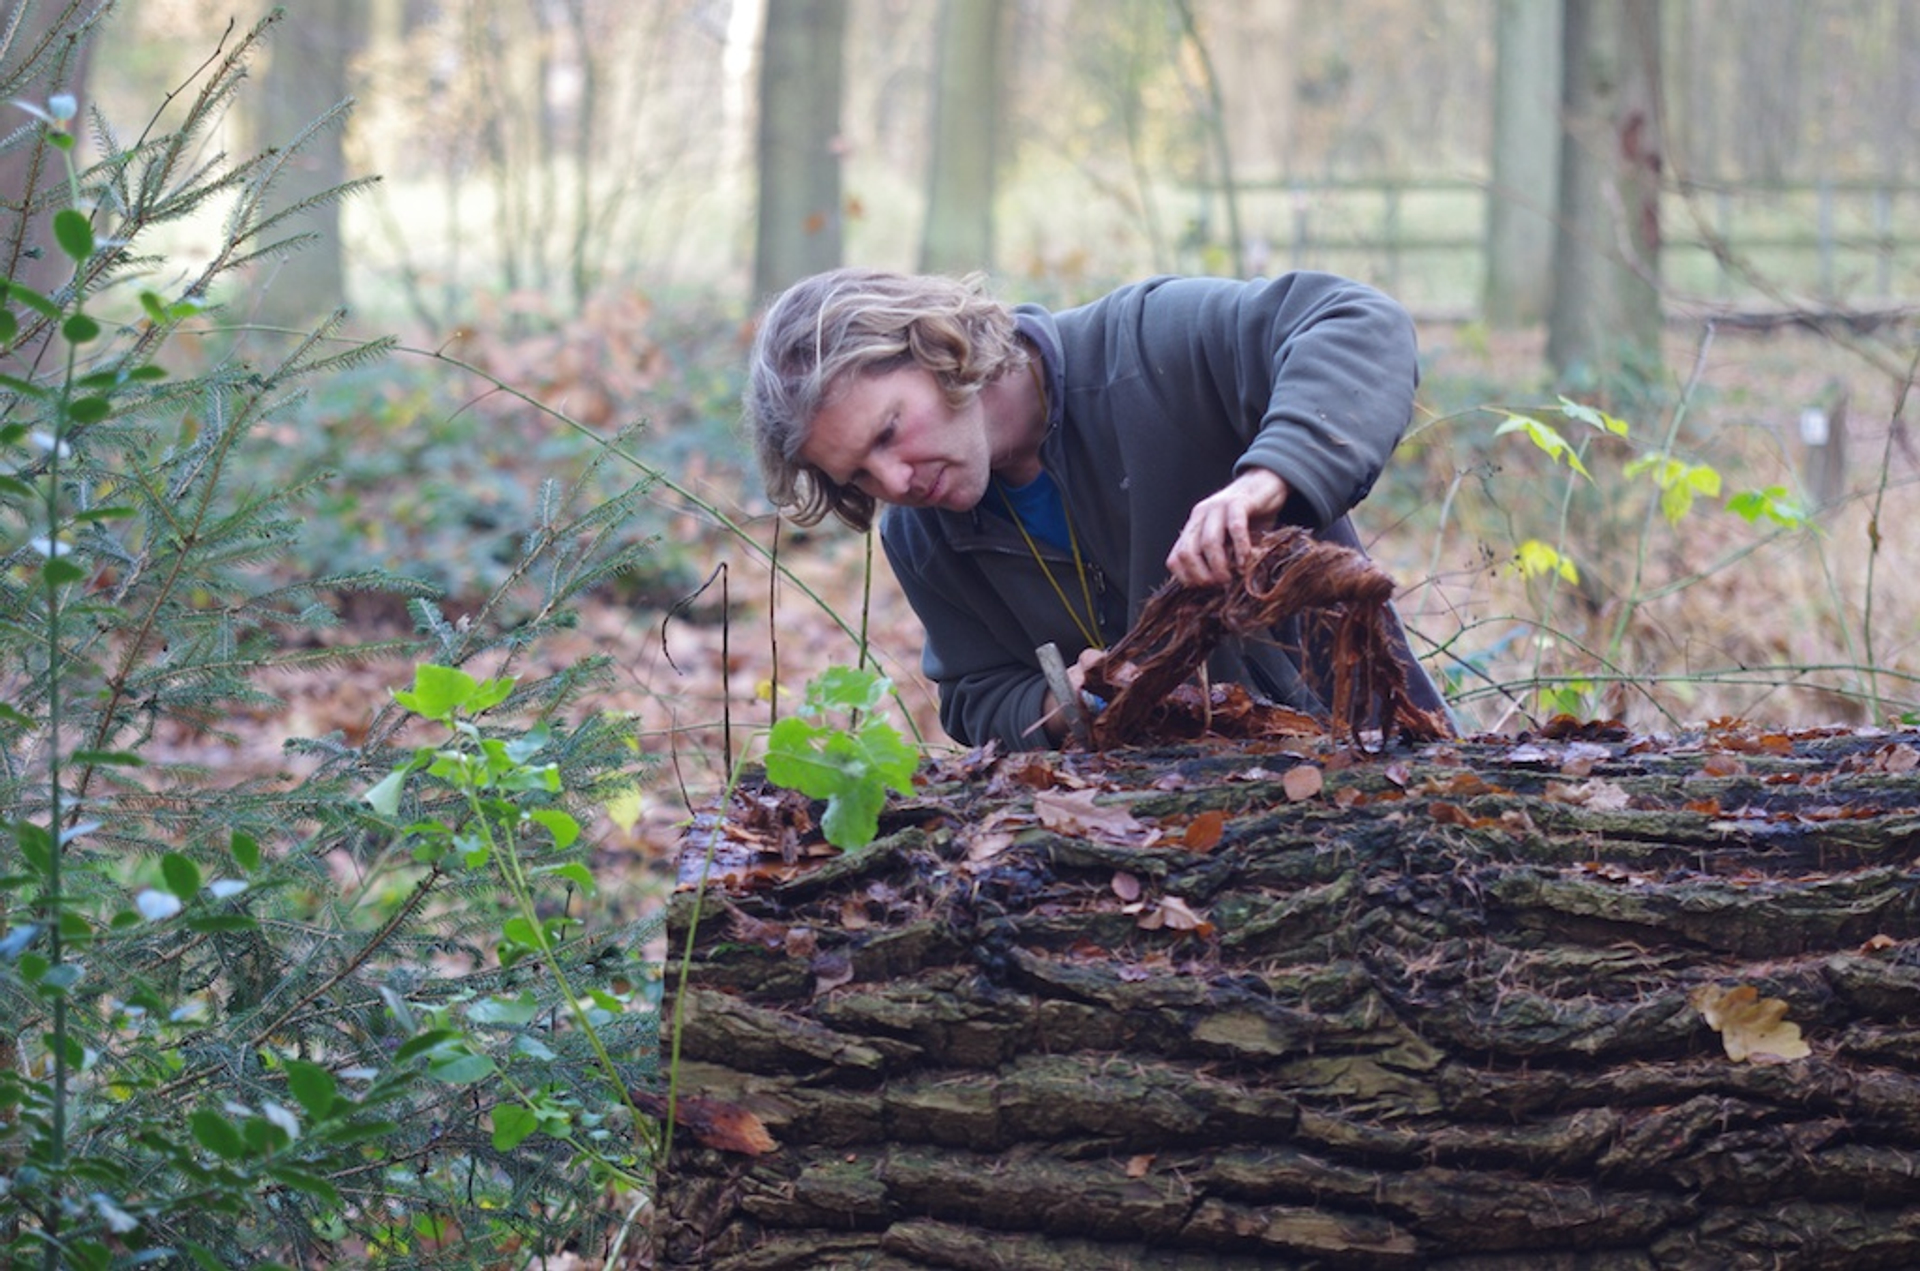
pixel 1474 1005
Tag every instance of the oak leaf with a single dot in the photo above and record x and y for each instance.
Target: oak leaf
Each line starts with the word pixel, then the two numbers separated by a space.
pixel 1751 1027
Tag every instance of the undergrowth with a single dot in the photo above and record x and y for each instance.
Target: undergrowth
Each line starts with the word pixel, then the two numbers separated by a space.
pixel 258 1021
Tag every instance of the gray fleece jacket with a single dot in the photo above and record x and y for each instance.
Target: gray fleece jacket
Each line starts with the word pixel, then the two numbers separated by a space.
pixel 1158 395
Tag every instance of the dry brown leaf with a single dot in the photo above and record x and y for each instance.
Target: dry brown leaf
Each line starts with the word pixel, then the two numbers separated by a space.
pixel 1126 886
pixel 1075 812
pixel 1138 1166
pixel 1601 796
pixel 1302 782
pixel 1723 766
pixel 830 971
pixel 1751 1027
pixel 1174 914
pixel 715 1123
pixel 1897 759
pixel 1204 831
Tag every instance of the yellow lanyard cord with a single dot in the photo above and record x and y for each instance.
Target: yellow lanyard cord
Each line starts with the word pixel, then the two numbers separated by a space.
pixel 1089 629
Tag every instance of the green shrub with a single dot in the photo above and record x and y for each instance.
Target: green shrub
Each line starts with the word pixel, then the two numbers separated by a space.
pixel 247 1020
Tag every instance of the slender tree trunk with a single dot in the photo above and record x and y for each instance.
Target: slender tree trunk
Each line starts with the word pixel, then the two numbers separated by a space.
pixel 1605 319
pixel 1526 163
pixel 307 75
pixel 802 61
pixel 958 235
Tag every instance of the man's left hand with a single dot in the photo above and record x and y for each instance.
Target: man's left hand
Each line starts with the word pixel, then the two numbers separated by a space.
pixel 1220 529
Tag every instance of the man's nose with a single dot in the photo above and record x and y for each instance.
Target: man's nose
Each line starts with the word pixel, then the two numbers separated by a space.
pixel 895 480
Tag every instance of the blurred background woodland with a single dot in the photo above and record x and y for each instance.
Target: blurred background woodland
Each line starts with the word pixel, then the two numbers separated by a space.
pixel 1699 216
pixel 369 343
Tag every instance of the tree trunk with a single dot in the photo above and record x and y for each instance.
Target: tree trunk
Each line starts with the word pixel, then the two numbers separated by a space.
pixel 1605 317
pixel 958 235
pixel 307 76
pixel 802 56
pixel 1526 161
pixel 1289 1008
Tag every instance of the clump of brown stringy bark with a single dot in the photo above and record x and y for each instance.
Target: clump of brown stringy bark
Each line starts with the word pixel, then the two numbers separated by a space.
pixel 1289 575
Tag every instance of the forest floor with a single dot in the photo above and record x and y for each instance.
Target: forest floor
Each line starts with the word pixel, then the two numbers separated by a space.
pixel 699 682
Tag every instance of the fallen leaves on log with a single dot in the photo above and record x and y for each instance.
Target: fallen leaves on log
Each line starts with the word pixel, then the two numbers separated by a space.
pixel 714 1123
pixel 1750 1026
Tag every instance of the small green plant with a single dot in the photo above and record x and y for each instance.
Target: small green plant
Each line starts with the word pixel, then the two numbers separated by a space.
pixel 851 765
pixel 537 1063
pixel 1678 485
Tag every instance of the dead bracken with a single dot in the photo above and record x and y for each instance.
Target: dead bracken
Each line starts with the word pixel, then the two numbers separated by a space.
pixel 1333 595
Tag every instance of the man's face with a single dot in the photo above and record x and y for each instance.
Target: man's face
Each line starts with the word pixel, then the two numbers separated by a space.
pixel 893 436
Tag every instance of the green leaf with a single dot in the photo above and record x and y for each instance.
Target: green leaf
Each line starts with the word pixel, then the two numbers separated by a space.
pixel 384 797
pixel 561 825
pixel 461 1069
pixel 848 689
pixel 853 816
pixel 313 1087
pixel 9 326
pixel 512 1123
pixel 73 232
pixel 32 299
pixel 245 850
pixel 95 515
pixel 574 872
pixel 80 329
pixel 1588 415
pixel 35 844
pixel 422 1043
pixel 222 922
pixel 1536 558
pixel 15 488
pixel 511 1011
pixel 182 875
pixel 438 691
pixel 489 693
pixel 59 571
pixel 89 410
pixel 109 758
pixel 305 1181
pixel 1546 438
pixel 216 1134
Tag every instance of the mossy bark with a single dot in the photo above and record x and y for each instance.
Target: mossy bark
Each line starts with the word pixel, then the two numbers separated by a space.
pixel 1434 1015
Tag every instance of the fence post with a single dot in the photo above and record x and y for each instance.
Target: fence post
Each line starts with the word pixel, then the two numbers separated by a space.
pixel 1824 188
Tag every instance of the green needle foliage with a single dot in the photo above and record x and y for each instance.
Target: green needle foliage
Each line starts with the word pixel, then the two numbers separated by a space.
pixel 267 1020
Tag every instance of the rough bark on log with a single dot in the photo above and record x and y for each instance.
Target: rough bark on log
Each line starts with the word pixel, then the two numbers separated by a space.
pixel 1422 1009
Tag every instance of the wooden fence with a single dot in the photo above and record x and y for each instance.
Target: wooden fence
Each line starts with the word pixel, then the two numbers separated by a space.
pixel 1845 245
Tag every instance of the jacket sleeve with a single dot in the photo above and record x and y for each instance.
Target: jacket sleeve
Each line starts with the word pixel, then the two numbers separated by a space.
pixel 990 688
pixel 1318 373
